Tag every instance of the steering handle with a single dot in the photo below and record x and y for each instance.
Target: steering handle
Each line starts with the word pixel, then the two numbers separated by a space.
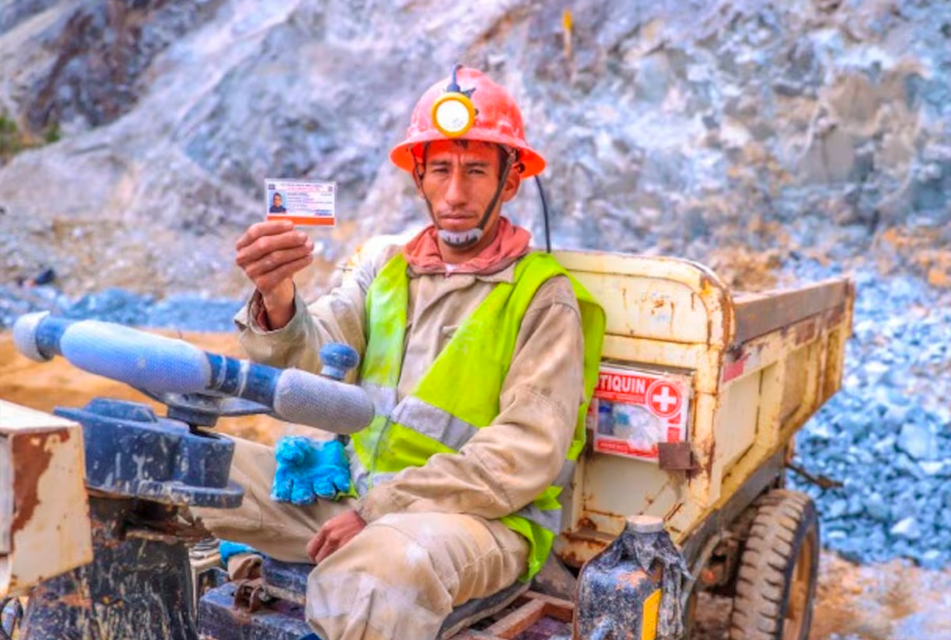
pixel 166 365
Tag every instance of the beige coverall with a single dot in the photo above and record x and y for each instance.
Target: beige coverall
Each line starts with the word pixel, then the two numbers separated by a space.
pixel 432 541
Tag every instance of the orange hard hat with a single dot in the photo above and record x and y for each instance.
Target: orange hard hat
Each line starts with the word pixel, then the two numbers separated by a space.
pixel 496 119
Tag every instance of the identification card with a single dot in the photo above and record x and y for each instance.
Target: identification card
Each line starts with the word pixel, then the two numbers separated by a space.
pixel 303 203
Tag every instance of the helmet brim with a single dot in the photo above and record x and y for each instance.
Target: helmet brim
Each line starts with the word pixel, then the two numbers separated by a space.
pixel 532 162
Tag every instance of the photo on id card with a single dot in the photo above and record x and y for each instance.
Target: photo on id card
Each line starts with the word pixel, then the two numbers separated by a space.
pixel 301 202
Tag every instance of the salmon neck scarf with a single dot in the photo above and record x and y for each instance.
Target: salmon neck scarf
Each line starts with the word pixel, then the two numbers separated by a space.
pixel 510 244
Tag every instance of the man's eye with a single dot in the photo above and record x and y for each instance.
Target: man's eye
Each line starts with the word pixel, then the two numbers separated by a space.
pixel 440 170
pixel 477 171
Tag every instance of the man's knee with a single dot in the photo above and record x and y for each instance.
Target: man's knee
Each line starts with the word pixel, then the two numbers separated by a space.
pixel 393 553
pixel 383 582
pixel 471 557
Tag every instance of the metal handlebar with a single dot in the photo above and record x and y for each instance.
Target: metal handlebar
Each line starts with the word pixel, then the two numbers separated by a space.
pixel 162 365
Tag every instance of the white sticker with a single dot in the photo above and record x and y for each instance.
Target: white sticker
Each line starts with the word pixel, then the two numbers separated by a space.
pixel 632 411
pixel 303 203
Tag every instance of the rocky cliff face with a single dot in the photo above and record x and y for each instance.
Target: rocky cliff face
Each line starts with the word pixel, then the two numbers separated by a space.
pixel 796 137
pixel 818 129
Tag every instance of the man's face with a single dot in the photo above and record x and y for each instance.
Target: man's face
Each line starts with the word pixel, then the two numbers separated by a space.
pixel 459 182
pixel 277 199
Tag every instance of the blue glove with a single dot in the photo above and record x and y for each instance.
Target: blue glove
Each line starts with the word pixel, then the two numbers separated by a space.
pixel 227 549
pixel 309 469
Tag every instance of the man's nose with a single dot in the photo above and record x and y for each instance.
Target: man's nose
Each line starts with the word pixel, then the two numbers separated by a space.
pixel 456 189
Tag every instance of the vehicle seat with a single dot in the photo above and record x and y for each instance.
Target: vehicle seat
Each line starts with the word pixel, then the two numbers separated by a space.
pixel 283 587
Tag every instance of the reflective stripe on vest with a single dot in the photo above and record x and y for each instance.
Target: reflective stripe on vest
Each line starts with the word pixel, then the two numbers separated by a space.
pixel 383 398
pixel 459 394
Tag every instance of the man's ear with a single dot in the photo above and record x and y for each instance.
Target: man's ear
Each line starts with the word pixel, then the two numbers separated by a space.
pixel 512 183
pixel 418 179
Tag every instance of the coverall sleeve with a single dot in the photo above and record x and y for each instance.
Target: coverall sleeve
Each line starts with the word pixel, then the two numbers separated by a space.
pixel 338 316
pixel 506 465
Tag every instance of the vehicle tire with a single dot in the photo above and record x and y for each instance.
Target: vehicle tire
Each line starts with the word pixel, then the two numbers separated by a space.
pixel 690 614
pixel 776 582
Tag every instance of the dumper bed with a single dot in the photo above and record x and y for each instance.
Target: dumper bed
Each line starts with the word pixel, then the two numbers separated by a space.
pixel 756 366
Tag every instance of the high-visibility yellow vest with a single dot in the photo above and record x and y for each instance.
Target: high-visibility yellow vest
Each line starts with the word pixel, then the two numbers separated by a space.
pixel 459 394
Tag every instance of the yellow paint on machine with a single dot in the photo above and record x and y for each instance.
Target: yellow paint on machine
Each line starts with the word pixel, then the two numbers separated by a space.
pixel 650 615
pixel 758 365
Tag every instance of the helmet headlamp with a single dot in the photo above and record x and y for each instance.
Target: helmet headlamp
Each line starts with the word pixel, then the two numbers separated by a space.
pixel 453 112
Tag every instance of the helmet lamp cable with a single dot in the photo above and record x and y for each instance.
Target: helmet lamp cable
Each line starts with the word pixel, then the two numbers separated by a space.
pixel 541 194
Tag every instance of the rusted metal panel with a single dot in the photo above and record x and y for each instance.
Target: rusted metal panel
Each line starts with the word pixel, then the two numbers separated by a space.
pixel 579 545
pixel 769 311
pixel 692 344
pixel 759 364
pixel 136 587
pixel 679 357
pixel 835 360
pixel 44 513
pixel 675 456
pixel 665 299
pixel 764 350
pixel 752 388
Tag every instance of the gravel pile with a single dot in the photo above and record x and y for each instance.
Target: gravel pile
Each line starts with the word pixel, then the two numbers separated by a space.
pixel 185 312
pixel 887 434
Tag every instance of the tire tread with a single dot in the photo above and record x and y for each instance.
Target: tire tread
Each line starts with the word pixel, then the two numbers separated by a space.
pixel 783 520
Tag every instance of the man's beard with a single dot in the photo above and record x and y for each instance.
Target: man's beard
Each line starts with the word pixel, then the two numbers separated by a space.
pixel 460 239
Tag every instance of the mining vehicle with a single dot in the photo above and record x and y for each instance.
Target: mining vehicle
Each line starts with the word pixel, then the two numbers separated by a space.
pixel 680 489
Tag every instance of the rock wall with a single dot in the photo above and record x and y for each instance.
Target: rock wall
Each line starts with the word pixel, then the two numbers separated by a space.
pixel 773 140
pixel 818 129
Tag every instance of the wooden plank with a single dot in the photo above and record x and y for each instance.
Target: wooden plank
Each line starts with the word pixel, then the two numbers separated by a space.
pixel 519 620
pixel 469 634
pixel 556 608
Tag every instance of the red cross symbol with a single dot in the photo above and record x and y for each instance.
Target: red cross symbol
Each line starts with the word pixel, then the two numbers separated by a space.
pixel 664 399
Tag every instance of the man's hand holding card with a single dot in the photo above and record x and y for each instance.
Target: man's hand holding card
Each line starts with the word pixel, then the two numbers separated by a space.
pixel 271 252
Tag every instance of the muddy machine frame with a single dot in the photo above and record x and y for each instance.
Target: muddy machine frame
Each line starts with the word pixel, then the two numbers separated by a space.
pixel 141 472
